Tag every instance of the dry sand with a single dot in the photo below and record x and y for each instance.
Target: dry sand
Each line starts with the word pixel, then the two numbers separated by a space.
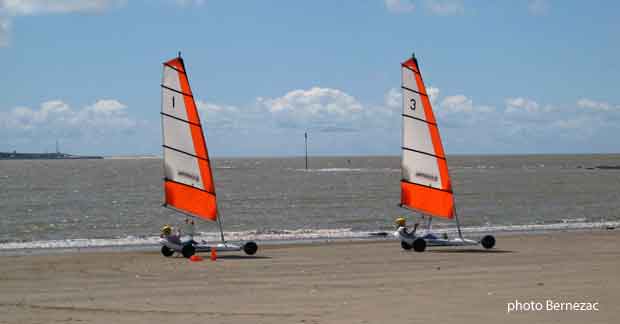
pixel 370 282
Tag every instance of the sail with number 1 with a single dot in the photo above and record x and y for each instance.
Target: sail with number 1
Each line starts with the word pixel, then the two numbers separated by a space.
pixel 426 186
pixel 189 188
pixel 188 180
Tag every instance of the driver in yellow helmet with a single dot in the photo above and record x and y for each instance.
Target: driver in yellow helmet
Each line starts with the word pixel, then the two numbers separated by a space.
pixel 401 227
pixel 166 232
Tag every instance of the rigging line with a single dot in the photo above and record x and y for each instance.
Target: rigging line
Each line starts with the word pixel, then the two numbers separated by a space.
pixel 181 119
pixel 419 119
pixel 174 68
pixel 177 91
pixel 415 91
pixel 422 152
pixel 187 153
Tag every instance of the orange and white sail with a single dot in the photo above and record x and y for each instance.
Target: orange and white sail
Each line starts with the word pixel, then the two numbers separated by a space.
pixel 425 184
pixel 188 181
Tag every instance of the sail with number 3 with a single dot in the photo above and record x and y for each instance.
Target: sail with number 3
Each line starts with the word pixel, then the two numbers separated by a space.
pixel 188 181
pixel 425 183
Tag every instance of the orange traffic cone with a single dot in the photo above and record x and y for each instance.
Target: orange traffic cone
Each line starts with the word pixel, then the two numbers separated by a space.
pixel 195 258
pixel 213 254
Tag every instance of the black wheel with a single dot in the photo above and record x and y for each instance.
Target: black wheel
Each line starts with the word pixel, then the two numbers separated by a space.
pixel 188 250
pixel 419 245
pixel 488 241
pixel 250 248
pixel 405 245
pixel 166 251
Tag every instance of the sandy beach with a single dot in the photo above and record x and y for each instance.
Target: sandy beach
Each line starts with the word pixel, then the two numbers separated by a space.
pixel 359 282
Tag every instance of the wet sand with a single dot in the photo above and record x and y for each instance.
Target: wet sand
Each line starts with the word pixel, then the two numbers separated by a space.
pixel 361 282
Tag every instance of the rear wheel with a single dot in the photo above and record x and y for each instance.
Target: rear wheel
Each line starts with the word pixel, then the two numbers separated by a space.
pixel 488 242
pixel 166 251
pixel 405 245
pixel 419 245
pixel 250 248
pixel 188 250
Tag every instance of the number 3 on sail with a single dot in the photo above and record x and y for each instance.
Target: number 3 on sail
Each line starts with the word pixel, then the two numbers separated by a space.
pixel 426 186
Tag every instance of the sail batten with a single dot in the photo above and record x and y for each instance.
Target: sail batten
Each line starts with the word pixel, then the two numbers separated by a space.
pixel 425 184
pixel 188 180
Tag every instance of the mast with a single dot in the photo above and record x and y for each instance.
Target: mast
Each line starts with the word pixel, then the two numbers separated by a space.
pixel 306 140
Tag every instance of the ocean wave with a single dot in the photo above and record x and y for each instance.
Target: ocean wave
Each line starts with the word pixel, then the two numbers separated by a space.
pixel 363 170
pixel 300 235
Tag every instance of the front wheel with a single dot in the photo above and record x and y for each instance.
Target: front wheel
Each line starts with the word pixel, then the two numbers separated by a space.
pixel 188 250
pixel 488 242
pixel 166 251
pixel 419 245
pixel 250 248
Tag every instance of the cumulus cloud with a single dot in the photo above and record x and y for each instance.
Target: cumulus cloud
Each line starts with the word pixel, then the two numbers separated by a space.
pixel 105 116
pixel 217 116
pixel 13 8
pixel 399 6
pixel 445 7
pixel 322 107
pixel 595 105
pixel 538 7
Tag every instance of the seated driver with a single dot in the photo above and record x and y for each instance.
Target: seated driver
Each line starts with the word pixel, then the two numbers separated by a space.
pixel 401 224
pixel 166 232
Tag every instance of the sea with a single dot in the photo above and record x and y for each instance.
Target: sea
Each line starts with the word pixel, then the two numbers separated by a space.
pixel 117 202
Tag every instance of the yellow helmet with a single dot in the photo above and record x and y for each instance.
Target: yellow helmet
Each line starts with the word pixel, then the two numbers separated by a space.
pixel 400 221
pixel 166 230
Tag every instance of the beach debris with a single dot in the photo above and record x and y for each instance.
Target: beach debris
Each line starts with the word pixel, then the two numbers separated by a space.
pixel 540 284
pixel 196 258
pixel 213 254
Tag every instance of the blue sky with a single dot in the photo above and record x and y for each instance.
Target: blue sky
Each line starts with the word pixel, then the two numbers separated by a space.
pixel 505 76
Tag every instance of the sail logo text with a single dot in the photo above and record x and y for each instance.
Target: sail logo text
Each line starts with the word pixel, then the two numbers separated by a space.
pixel 550 306
pixel 188 175
pixel 426 176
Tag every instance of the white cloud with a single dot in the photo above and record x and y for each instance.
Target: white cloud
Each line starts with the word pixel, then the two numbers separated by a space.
pixel 394 98
pixel 538 7
pixel 39 7
pixel 105 116
pixel 433 94
pixel 324 107
pixel 399 6
pixel 521 104
pixel 445 7
pixel 187 3
pixel 595 105
pixel 217 116
pixel 13 8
